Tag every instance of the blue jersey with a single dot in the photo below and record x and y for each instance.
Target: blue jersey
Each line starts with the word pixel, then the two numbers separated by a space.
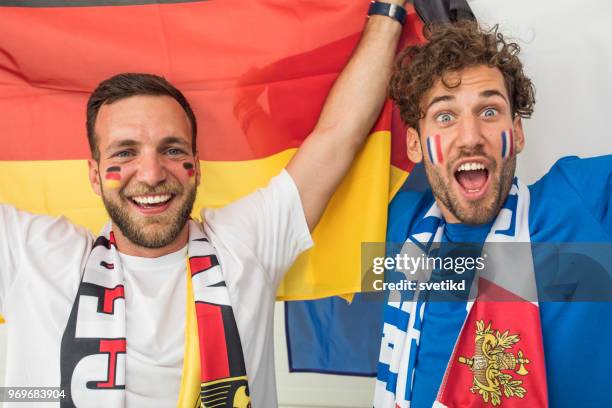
pixel 572 203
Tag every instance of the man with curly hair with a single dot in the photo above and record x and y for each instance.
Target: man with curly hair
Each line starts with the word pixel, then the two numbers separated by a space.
pixel 463 96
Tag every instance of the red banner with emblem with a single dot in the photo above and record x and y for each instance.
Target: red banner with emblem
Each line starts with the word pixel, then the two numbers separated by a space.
pixel 499 357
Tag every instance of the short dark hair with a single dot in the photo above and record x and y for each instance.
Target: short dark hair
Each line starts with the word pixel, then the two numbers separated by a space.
pixel 451 48
pixel 123 86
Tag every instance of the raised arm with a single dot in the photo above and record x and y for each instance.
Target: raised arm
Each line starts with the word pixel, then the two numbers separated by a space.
pixel 349 112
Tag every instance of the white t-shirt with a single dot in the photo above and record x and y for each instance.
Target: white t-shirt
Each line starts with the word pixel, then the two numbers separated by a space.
pixel 155 297
pixel 256 238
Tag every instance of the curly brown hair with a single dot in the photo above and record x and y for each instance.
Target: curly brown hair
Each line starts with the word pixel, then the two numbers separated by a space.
pixel 451 48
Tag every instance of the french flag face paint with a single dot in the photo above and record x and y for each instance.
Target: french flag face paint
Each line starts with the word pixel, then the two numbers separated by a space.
pixel 434 147
pixel 507 137
pixel 113 177
pixel 190 171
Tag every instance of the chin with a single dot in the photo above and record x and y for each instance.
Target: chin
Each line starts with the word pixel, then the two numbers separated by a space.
pixel 151 231
pixel 477 216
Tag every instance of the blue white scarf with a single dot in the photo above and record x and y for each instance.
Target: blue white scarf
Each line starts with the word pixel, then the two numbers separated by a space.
pixel 94 344
pixel 403 319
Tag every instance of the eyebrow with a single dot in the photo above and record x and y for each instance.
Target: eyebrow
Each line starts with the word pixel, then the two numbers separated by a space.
pixel 446 98
pixel 122 144
pixel 438 99
pixel 493 92
pixel 173 140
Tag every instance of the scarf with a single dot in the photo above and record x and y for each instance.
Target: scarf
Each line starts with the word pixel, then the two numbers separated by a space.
pixel 94 344
pixel 498 357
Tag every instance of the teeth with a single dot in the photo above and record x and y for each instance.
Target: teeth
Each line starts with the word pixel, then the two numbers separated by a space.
pixel 471 166
pixel 156 199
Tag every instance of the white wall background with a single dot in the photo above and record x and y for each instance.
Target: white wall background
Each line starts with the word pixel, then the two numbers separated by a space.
pixel 567 50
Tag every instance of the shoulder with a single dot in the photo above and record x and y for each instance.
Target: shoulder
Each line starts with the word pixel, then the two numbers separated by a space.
pixel 571 201
pixel 268 225
pixel 18 223
pixel 281 192
pixel 39 252
pixel 577 171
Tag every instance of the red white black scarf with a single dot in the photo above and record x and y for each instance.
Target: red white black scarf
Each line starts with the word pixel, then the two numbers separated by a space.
pixel 94 344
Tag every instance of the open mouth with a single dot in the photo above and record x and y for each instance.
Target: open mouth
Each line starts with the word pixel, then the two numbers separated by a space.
pixel 473 178
pixel 157 202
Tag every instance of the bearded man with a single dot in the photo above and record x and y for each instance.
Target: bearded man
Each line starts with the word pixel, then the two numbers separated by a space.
pixel 160 308
pixel 463 96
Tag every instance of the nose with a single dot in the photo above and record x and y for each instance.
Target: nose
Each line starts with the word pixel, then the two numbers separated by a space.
pixel 470 133
pixel 151 169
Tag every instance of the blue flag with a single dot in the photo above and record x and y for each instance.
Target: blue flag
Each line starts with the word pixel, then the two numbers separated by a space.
pixel 331 336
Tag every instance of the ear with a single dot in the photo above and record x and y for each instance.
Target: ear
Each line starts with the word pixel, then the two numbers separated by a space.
pixel 519 136
pixel 94 176
pixel 413 145
pixel 196 160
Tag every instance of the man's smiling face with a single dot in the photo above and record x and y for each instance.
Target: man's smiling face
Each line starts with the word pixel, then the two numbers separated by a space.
pixel 147 173
pixel 469 141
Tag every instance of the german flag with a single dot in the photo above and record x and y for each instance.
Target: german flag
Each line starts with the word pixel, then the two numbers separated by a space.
pixel 256 73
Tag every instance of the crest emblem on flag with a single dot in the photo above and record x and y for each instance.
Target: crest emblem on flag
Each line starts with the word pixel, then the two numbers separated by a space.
pixel 489 362
pixel 226 393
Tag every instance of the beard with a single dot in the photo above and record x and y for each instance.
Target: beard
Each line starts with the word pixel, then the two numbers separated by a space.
pixel 153 231
pixel 477 212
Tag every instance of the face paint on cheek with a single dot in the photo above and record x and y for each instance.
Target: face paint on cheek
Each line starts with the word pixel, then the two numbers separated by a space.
pixel 434 147
pixel 113 177
pixel 507 149
pixel 190 171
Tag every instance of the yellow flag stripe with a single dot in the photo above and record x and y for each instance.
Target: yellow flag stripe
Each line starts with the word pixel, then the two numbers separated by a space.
pixel 356 213
pixel 397 179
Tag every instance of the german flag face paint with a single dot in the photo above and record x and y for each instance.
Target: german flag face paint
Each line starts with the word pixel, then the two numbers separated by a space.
pixel 507 137
pixel 113 177
pixel 434 148
pixel 190 171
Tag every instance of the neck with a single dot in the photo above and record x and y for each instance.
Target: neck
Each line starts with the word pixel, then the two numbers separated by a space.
pixel 127 247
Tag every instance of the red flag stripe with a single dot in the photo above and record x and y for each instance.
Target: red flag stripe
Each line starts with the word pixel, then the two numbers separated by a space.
pixel 262 92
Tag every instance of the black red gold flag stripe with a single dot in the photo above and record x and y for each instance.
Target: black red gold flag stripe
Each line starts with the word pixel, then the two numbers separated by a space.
pixel 256 76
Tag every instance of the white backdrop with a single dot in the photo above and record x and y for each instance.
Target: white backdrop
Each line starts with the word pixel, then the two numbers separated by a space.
pixel 567 50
